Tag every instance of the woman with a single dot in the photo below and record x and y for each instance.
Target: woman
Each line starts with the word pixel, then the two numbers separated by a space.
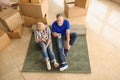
pixel 43 38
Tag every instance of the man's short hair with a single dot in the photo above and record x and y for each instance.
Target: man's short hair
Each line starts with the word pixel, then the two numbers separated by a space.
pixel 58 15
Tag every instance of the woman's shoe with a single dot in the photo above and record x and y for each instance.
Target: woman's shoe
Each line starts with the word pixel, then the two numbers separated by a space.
pixel 56 65
pixel 48 65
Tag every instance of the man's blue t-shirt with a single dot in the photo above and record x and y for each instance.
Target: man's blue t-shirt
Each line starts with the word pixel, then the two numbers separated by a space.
pixel 61 29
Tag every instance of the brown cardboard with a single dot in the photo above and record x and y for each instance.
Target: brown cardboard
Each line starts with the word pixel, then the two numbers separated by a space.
pixel 34 10
pixel 0 8
pixel 36 1
pixel 17 33
pixel 4 40
pixel 24 1
pixel 82 3
pixel 3 27
pixel 44 20
pixel 3 13
pixel 73 11
pixel 11 20
pixel 6 11
pixel 29 21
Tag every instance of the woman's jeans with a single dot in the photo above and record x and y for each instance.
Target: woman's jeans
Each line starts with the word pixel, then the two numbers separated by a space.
pixel 60 43
pixel 48 50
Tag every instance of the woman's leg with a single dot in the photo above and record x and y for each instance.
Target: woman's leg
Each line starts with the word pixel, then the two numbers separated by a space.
pixel 45 54
pixel 52 55
pixel 44 50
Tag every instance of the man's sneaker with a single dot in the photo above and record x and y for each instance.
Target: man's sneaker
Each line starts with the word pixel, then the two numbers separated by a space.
pixel 63 67
pixel 65 52
pixel 48 65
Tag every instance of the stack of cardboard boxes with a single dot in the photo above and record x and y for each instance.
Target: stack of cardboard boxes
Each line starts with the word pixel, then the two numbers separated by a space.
pixel 34 11
pixel 76 8
pixel 12 21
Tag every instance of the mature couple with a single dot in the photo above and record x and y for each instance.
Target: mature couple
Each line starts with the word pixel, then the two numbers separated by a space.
pixel 61 31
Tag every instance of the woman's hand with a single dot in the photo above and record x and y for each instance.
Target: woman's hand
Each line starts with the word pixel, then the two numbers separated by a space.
pixel 40 40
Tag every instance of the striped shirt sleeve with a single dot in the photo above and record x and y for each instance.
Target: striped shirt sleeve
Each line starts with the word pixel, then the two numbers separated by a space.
pixel 49 33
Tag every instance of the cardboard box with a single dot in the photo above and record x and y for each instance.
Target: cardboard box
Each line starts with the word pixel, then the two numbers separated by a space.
pixel 36 1
pixel 11 20
pixel 4 40
pixel 25 1
pixel 7 11
pixel 73 11
pixel 3 27
pixel 34 10
pixel 17 33
pixel 29 21
pixel 0 8
pixel 82 3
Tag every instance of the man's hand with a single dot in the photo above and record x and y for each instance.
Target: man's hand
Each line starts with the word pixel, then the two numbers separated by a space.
pixel 67 47
pixel 55 34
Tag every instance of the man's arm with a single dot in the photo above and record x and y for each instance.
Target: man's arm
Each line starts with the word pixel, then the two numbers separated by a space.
pixel 54 33
pixel 67 39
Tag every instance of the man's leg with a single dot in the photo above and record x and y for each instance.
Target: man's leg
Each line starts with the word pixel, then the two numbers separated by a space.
pixel 63 64
pixel 60 44
pixel 73 37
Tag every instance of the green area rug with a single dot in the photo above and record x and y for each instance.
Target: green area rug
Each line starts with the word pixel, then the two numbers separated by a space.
pixel 78 58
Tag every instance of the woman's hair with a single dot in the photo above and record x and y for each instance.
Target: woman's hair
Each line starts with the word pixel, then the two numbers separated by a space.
pixel 39 24
pixel 58 15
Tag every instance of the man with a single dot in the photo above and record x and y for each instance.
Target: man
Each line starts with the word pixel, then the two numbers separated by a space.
pixel 61 30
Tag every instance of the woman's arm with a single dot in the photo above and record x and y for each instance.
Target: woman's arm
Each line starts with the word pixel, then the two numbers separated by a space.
pixel 36 37
pixel 49 37
pixel 48 42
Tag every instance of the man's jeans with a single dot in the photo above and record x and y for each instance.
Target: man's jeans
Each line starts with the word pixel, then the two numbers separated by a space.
pixel 60 43
pixel 48 50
